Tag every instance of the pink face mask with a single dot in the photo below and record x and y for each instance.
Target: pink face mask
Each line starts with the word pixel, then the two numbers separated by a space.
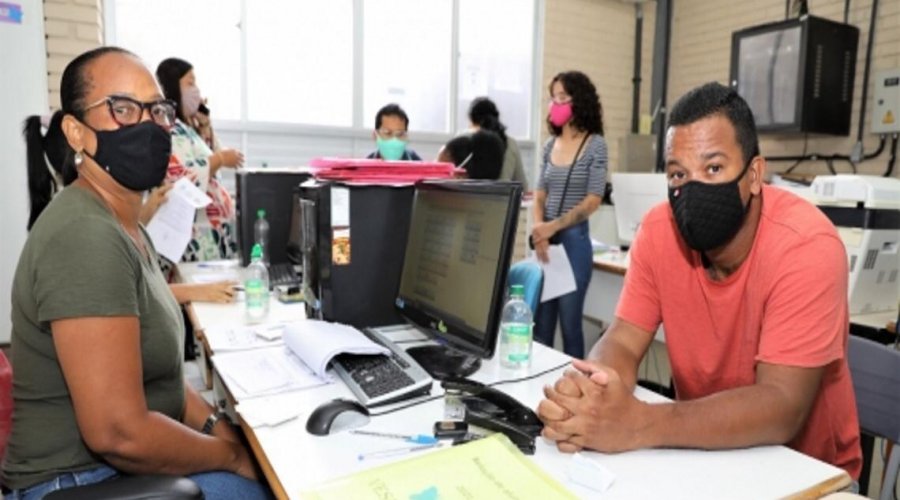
pixel 560 114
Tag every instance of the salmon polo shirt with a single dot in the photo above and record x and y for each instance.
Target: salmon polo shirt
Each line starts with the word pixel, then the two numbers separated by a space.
pixel 785 305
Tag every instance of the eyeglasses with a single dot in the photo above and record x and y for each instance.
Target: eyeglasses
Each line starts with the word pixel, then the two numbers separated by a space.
pixel 385 133
pixel 127 111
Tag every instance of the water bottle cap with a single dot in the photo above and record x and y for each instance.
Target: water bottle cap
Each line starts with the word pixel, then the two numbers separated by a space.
pixel 256 253
pixel 261 213
pixel 517 291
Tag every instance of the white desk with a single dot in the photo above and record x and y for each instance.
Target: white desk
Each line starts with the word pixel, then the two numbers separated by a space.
pixel 294 460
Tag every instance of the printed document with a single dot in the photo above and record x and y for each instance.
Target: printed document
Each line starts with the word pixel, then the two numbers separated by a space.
pixel 317 342
pixel 558 276
pixel 263 372
pixel 171 226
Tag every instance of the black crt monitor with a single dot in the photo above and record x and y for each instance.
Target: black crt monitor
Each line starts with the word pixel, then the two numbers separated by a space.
pixel 453 280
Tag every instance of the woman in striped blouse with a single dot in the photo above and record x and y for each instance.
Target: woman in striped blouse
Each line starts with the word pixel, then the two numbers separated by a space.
pixel 570 188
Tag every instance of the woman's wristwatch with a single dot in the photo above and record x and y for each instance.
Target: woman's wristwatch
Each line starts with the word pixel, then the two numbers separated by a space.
pixel 211 422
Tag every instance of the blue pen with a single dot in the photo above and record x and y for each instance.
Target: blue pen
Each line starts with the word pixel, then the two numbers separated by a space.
pixel 396 451
pixel 417 439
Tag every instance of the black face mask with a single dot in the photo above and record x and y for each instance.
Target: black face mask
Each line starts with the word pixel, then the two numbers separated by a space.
pixel 708 215
pixel 136 156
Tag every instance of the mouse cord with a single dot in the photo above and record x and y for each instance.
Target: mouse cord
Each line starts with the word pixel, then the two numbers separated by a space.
pixel 529 377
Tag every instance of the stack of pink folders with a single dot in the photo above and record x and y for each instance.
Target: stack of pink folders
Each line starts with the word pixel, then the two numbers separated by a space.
pixel 383 172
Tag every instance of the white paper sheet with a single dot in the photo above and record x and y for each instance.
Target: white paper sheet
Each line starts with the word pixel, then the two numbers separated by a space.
pixel 558 276
pixel 170 228
pixel 316 342
pixel 224 338
pixel 263 372
pixel 270 411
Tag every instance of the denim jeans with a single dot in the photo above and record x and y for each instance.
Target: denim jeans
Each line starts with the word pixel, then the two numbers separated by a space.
pixel 569 308
pixel 215 485
pixel 62 481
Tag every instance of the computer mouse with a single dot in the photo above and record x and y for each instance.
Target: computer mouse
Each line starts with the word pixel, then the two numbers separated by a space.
pixel 335 416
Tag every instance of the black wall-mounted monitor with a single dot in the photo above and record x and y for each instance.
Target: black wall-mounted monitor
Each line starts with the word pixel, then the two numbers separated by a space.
pixel 453 282
pixel 797 75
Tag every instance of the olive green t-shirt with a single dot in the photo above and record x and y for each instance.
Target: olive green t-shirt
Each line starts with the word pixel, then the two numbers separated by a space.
pixel 79 262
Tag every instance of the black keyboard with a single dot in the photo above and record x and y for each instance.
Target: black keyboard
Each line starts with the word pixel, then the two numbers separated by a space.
pixel 376 374
pixel 283 274
pixel 380 379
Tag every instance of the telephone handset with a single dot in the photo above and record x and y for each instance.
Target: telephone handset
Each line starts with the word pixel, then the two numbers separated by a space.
pixel 491 409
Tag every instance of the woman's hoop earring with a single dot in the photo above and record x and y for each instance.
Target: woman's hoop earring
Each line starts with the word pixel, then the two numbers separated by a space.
pixel 79 158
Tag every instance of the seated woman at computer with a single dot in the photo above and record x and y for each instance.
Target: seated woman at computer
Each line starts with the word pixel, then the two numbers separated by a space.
pixel 49 171
pixel 570 188
pixel 214 235
pixel 750 285
pixel 480 154
pixel 98 387
pixel 391 135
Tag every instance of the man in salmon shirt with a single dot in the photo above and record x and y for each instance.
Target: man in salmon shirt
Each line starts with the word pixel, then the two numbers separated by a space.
pixel 750 284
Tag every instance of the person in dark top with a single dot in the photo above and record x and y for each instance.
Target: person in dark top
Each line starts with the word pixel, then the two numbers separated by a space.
pixel 391 135
pixel 480 154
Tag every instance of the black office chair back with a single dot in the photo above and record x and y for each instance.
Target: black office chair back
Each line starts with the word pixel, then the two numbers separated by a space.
pixel 875 369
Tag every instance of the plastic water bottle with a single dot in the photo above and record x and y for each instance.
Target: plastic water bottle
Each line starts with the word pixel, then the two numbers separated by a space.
pixel 256 287
pixel 515 331
pixel 261 234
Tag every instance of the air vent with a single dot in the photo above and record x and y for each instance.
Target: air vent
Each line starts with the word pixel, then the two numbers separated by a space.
pixel 847 84
pixel 817 77
pixel 880 279
pixel 893 277
pixel 871 255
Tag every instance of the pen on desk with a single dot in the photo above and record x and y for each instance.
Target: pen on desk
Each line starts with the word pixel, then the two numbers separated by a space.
pixel 418 438
pixel 395 451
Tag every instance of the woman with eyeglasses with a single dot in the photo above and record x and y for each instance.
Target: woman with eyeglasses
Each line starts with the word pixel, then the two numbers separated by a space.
pixel 570 188
pixel 49 171
pixel 214 235
pixel 98 383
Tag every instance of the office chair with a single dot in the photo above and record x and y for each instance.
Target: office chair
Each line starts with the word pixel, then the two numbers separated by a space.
pixel 528 274
pixel 122 488
pixel 875 369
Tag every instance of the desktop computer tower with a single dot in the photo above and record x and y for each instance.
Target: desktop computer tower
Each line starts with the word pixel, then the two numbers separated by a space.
pixel 270 189
pixel 357 254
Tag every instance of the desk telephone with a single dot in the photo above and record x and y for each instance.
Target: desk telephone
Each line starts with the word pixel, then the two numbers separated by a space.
pixel 491 409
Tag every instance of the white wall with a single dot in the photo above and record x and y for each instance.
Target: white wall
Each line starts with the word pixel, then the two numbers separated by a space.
pixel 23 92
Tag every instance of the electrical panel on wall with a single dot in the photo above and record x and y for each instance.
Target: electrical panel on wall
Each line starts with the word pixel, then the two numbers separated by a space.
pixel 886 106
pixel 797 75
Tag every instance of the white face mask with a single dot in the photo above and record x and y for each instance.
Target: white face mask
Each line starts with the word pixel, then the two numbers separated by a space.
pixel 191 100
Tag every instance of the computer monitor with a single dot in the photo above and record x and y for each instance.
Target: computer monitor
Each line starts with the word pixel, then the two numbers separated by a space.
pixel 270 189
pixel 633 196
pixel 453 281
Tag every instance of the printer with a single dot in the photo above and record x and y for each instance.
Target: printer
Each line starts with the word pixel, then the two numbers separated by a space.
pixel 866 211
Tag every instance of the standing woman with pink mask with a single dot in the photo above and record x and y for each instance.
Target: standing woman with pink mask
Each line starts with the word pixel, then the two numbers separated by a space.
pixel 214 228
pixel 570 188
